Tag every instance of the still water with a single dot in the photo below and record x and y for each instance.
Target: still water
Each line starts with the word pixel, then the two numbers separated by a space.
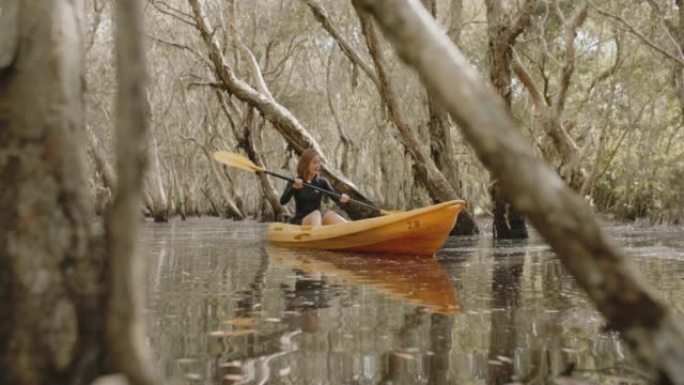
pixel 225 308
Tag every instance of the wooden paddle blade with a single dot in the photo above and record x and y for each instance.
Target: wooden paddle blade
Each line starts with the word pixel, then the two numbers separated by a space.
pixel 234 160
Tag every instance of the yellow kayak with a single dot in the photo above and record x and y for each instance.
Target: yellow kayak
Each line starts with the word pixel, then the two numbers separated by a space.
pixel 418 280
pixel 416 232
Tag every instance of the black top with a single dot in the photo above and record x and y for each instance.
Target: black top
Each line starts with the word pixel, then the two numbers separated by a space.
pixel 307 199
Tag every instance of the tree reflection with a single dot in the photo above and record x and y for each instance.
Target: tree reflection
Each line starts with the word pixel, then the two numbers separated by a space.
pixel 507 271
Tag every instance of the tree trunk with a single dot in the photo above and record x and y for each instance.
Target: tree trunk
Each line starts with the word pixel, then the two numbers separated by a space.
pixel 551 113
pixel 424 167
pixel 252 145
pixel 160 202
pixel 561 217
pixel 58 291
pixel 441 142
pixel 508 222
pixel 52 303
pixel 126 331
pixel 282 119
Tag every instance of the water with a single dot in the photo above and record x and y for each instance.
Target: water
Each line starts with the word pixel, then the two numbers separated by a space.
pixel 225 308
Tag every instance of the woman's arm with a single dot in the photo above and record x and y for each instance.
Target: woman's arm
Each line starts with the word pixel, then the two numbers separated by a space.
pixel 339 198
pixel 287 194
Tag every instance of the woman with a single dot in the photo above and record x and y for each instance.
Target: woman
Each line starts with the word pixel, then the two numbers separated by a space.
pixel 308 200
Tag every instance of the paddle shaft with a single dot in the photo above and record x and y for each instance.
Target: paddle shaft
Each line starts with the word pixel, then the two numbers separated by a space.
pixel 331 193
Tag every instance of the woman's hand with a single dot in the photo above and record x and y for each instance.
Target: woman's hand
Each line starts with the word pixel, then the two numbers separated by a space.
pixel 298 183
pixel 344 198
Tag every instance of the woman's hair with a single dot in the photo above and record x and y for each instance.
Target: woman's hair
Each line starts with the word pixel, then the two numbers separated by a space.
pixel 305 160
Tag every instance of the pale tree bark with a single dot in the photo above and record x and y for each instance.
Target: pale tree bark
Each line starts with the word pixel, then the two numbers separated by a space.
pixel 502 32
pixel 282 119
pixel 247 139
pixel 59 288
pixel 551 114
pixel 178 193
pixel 159 208
pixel 52 274
pixel 346 142
pixel 230 208
pixel 441 142
pixel 102 163
pixel 561 216
pixel 425 169
pixel 126 331
pixel 251 145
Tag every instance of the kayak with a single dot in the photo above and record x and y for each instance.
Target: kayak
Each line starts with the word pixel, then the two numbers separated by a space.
pixel 416 280
pixel 416 232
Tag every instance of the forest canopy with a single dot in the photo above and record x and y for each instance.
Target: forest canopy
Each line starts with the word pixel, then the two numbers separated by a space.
pixel 597 87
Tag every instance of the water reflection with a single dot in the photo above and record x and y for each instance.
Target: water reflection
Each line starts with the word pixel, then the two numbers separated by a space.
pixel 508 261
pixel 225 309
pixel 418 280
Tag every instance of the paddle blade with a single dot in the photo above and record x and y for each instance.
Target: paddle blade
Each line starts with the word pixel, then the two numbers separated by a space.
pixel 234 160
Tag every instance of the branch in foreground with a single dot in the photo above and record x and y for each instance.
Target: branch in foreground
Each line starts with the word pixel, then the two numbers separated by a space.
pixel 560 215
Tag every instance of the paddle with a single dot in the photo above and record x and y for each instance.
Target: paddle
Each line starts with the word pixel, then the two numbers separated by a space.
pixel 239 161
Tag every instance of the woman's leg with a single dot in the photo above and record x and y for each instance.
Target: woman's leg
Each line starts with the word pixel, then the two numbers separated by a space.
pixel 313 219
pixel 331 218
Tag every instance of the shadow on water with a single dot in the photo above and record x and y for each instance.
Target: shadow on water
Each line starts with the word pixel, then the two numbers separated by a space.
pixel 223 308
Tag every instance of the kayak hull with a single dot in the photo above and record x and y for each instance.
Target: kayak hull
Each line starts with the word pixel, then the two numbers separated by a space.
pixel 417 232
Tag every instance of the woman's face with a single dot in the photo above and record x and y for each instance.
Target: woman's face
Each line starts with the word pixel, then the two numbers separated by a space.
pixel 314 167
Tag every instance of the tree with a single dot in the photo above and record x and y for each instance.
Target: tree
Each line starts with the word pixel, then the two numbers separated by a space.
pixel 502 33
pixel 68 296
pixel 561 217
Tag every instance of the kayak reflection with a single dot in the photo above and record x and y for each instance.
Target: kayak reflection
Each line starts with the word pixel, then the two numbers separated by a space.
pixel 419 280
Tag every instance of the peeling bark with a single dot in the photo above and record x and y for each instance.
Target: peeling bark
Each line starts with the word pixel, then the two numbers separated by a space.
pixel 52 264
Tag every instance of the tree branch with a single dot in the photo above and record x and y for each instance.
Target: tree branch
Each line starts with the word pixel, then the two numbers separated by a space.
pixel 677 60
pixel 322 16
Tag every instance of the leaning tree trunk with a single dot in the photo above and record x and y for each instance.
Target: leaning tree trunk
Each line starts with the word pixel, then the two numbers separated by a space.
pixel 282 119
pixel 58 290
pixel 441 142
pixel 508 222
pixel 567 223
pixel 248 138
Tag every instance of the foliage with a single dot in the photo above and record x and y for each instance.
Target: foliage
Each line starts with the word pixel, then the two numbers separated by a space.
pixel 623 108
